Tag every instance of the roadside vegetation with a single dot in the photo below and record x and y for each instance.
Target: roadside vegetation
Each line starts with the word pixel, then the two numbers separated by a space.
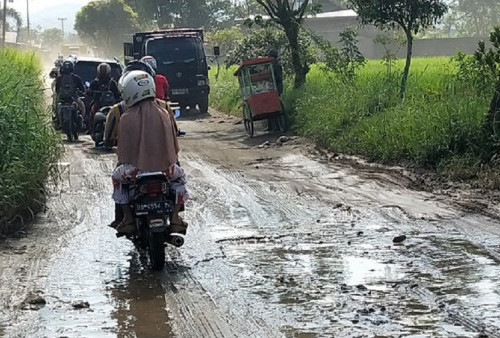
pixel 28 145
pixel 443 122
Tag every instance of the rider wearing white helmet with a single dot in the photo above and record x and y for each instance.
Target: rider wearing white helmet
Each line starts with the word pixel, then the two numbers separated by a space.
pixel 161 82
pixel 147 141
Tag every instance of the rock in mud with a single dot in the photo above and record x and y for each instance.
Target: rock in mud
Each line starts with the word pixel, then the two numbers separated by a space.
pixel 361 287
pixel 265 144
pixel 34 301
pixel 80 305
pixel 360 233
pixel 399 239
pixel 283 139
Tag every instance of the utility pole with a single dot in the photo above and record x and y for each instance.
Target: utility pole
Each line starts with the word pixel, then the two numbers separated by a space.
pixel 62 24
pixel 4 22
pixel 28 19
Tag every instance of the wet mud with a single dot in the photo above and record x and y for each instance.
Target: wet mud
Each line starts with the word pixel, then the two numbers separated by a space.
pixel 280 244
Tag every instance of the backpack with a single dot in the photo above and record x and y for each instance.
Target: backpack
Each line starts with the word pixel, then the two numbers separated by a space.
pixel 68 88
pixel 107 97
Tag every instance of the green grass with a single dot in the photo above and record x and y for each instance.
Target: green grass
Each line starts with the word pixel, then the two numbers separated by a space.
pixel 225 92
pixel 439 118
pixel 28 145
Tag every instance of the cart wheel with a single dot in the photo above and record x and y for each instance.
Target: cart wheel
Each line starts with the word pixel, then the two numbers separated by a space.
pixel 248 120
pixel 281 119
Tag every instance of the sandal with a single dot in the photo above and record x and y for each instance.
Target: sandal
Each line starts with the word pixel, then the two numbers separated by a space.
pixel 180 228
pixel 114 224
pixel 126 228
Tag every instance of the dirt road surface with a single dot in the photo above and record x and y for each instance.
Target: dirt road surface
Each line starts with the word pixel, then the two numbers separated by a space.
pixel 281 244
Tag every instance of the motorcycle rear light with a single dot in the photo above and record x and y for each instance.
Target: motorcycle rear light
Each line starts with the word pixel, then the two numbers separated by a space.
pixel 153 188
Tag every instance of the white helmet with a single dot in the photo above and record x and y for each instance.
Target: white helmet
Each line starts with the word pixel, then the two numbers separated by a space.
pixel 136 86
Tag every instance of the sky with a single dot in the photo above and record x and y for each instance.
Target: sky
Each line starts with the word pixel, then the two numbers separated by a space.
pixel 46 12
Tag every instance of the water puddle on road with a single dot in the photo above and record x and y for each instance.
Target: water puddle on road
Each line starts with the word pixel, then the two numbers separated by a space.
pixel 330 269
pixel 107 292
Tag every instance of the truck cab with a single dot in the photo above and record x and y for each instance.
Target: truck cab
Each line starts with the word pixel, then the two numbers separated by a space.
pixel 180 57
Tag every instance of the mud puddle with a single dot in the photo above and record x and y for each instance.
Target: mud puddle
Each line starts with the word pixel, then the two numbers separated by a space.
pixel 316 255
pixel 279 245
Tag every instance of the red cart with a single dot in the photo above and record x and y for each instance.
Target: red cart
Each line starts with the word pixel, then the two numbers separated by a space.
pixel 261 100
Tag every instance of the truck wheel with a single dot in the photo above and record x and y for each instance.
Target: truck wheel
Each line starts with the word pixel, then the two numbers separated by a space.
pixel 203 105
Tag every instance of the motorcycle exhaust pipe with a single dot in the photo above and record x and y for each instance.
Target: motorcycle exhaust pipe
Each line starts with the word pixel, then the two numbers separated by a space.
pixel 176 241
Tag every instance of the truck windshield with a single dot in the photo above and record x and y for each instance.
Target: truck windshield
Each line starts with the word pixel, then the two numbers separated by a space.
pixel 175 50
pixel 87 70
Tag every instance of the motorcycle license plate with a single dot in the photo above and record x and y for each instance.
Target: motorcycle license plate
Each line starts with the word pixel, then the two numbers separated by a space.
pixel 181 91
pixel 163 207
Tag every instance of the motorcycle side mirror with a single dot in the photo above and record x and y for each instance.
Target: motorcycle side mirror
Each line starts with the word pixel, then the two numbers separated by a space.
pixel 177 113
pixel 53 74
pixel 87 84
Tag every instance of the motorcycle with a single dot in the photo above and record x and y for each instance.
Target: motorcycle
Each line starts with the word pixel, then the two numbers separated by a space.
pixel 99 99
pixel 99 126
pixel 69 120
pixel 152 206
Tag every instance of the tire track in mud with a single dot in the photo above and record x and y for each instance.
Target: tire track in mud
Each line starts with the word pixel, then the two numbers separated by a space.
pixel 273 196
pixel 289 247
pixel 34 244
pixel 75 257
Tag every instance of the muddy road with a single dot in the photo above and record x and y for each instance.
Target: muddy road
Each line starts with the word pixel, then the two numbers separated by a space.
pixel 280 244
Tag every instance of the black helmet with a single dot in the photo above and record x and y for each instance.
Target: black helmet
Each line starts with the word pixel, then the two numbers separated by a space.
pixel 103 70
pixel 139 65
pixel 67 67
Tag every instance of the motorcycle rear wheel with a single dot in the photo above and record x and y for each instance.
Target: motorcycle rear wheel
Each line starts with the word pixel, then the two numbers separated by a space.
pixel 156 251
pixel 68 129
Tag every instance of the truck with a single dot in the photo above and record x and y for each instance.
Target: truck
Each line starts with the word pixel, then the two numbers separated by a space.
pixel 180 57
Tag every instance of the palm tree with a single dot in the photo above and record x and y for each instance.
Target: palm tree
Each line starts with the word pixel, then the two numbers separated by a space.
pixel 14 15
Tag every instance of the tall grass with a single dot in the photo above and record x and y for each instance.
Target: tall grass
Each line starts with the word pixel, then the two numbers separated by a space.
pixel 28 145
pixel 439 118
pixel 225 92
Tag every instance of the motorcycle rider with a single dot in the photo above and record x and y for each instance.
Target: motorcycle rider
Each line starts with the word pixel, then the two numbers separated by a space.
pixel 113 120
pixel 147 142
pixel 103 89
pixel 69 85
pixel 113 117
pixel 161 81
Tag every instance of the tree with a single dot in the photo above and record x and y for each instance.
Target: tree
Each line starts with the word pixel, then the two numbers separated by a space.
pixel 412 16
pixel 476 17
pixel 227 39
pixel 289 15
pixel 183 13
pixel 51 37
pixel 247 8
pixel 14 19
pixel 104 24
pixel 34 34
